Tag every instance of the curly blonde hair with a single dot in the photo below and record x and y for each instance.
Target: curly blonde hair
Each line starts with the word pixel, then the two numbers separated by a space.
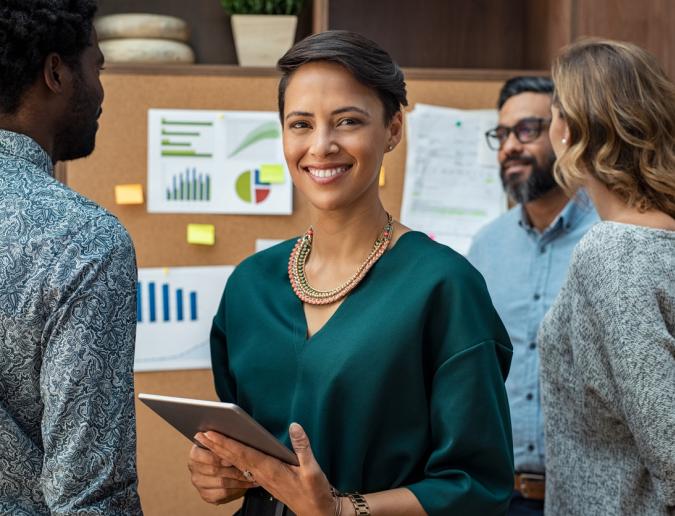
pixel 619 106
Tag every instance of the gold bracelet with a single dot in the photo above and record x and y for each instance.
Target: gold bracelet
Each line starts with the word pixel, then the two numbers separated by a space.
pixel 361 507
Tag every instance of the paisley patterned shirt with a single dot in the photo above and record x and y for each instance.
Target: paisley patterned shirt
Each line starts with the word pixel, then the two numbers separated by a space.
pixel 67 326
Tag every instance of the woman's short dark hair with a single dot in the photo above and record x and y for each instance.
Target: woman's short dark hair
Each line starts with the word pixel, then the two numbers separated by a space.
pixel 30 30
pixel 363 58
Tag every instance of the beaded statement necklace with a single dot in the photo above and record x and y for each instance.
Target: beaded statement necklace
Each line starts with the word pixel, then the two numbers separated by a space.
pixel 300 253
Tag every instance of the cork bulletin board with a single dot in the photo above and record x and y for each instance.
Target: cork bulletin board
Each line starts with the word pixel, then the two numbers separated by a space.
pixel 160 239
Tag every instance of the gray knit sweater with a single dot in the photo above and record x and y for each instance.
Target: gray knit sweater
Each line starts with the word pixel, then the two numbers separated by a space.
pixel 608 377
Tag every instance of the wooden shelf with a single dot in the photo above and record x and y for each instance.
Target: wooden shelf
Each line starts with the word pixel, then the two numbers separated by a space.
pixel 429 74
pixel 454 36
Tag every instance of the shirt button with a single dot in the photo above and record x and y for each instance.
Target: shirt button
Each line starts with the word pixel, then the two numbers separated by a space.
pixel 533 345
pixel 530 447
pixel 542 249
pixel 537 297
pixel 529 396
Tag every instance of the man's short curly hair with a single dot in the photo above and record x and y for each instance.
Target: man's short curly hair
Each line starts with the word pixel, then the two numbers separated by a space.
pixel 30 30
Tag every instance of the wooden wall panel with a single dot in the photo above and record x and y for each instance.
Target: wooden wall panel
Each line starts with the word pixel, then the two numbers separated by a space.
pixel 548 27
pixel 439 33
pixel 648 23
pixel 121 157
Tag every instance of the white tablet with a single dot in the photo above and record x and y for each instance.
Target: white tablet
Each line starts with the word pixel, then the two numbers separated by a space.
pixel 192 416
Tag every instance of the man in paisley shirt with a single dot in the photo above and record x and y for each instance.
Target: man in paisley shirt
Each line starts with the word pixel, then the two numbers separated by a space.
pixel 67 280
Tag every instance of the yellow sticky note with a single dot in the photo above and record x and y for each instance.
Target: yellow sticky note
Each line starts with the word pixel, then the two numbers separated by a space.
pixel 129 194
pixel 382 176
pixel 201 234
pixel 272 174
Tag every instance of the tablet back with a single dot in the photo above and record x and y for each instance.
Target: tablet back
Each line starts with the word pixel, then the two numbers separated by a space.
pixel 191 416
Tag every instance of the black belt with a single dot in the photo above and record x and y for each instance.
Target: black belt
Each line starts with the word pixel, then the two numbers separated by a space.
pixel 259 502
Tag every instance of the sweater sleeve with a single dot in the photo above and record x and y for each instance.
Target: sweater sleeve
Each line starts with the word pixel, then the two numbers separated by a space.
pixel 470 467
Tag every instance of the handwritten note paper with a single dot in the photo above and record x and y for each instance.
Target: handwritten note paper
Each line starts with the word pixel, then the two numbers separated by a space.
pixel 452 185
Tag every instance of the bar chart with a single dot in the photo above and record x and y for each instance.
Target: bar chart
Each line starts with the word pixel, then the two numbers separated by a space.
pixel 182 138
pixel 159 303
pixel 189 186
pixel 174 311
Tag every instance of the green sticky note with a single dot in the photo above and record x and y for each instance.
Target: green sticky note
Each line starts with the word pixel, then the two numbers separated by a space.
pixel 274 174
pixel 201 234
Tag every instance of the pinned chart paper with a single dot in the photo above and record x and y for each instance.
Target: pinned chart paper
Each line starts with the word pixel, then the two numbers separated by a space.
pixel 129 194
pixel 452 186
pixel 273 174
pixel 201 234
pixel 217 162
pixel 174 310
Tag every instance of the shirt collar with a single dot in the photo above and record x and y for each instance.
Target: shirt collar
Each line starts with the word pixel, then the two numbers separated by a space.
pixel 567 219
pixel 21 146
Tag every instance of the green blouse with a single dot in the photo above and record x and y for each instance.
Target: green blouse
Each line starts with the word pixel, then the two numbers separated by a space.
pixel 402 387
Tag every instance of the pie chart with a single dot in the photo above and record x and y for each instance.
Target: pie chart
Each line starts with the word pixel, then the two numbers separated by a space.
pixel 250 189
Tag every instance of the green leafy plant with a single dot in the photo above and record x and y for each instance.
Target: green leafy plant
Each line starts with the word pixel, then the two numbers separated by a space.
pixel 262 6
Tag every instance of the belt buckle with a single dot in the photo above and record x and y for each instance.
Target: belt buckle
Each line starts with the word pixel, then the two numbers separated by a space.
pixel 535 477
pixel 531 485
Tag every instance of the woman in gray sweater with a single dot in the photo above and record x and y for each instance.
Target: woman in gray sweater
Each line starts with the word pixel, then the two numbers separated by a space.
pixel 608 343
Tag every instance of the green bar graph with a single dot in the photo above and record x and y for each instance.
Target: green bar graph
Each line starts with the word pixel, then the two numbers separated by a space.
pixel 169 143
pixel 189 186
pixel 186 154
pixel 180 133
pixel 180 137
pixel 186 122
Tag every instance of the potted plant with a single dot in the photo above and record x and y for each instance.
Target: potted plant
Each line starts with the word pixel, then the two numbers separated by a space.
pixel 263 29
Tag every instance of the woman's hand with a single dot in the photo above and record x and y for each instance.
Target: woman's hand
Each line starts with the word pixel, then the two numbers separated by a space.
pixel 216 480
pixel 304 489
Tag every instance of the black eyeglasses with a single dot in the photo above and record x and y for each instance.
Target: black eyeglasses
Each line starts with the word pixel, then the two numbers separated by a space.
pixel 526 130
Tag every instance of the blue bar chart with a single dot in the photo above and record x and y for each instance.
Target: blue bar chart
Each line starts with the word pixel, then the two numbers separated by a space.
pixel 162 310
pixel 174 311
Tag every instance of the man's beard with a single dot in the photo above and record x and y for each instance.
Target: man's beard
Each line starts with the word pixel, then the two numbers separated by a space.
pixel 77 135
pixel 539 183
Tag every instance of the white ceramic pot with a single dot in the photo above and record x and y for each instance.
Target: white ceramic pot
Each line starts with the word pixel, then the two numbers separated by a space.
pixel 122 26
pixel 146 50
pixel 261 39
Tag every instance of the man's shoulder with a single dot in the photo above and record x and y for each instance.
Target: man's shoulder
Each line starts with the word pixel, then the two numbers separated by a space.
pixel 495 235
pixel 496 228
pixel 63 212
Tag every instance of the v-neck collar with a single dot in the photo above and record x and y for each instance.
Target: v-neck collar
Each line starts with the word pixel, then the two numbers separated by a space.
pixel 339 313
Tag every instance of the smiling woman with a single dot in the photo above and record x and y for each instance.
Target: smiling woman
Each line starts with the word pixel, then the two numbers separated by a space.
pixel 381 343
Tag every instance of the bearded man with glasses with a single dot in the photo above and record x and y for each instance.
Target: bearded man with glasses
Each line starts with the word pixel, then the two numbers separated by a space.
pixel 524 255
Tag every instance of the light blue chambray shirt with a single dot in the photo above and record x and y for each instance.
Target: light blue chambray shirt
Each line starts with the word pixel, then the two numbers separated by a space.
pixel 524 271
